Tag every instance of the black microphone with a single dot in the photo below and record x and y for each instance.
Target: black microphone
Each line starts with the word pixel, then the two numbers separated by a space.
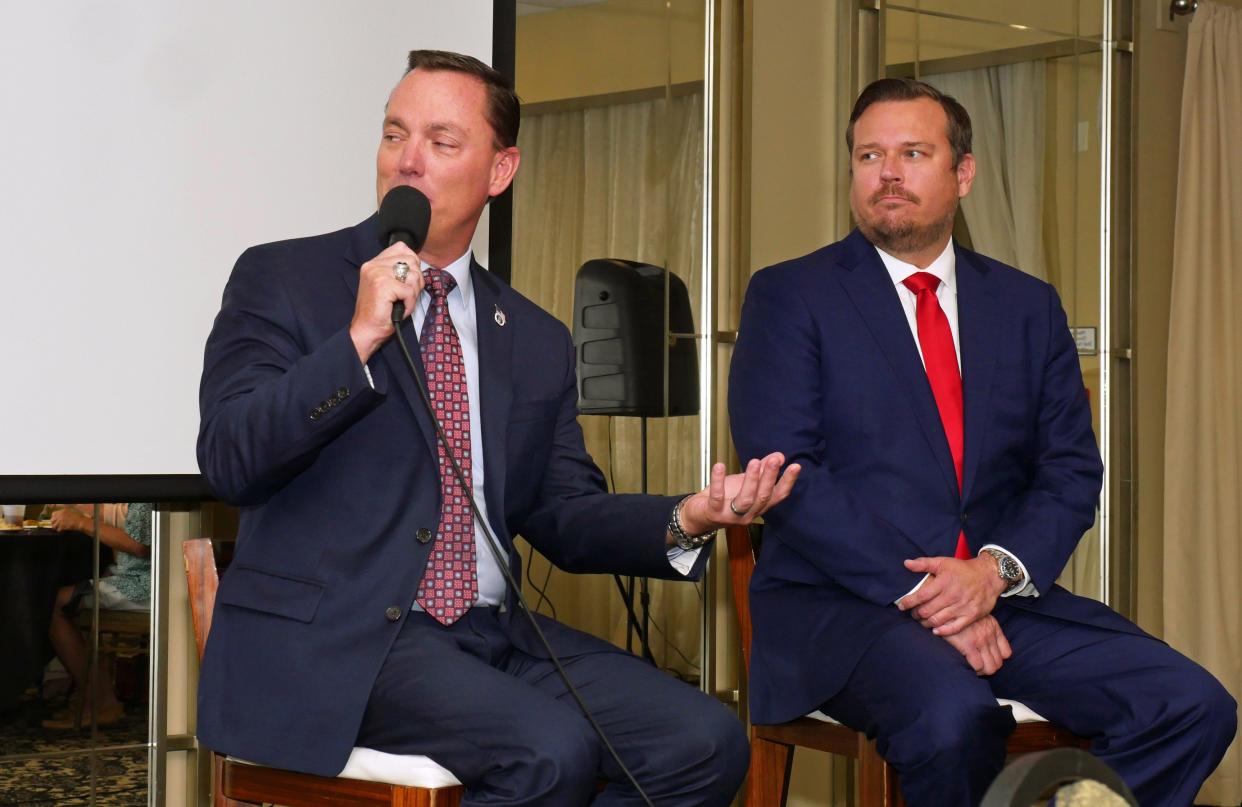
pixel 405 216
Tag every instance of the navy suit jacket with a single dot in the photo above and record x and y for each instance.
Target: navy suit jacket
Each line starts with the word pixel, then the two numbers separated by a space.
pixel 336 482
pixel 826 370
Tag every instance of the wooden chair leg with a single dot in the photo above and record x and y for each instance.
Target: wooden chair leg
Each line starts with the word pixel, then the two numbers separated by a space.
pixel 767 785
pixel 218 799
pixel 877 780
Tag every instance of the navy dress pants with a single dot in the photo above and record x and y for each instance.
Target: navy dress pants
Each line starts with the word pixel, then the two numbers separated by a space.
pixel 1158 719
pixel 503 722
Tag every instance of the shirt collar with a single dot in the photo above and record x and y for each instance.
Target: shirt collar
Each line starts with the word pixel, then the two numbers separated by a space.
pixel 460 270
pixel 944 267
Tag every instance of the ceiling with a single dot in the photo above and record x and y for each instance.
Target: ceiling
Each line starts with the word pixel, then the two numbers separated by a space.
pixel 540 6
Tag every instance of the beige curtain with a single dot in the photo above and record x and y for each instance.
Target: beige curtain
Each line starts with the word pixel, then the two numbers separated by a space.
pixel 1005 208
pixel 1203 437
pixel 621 181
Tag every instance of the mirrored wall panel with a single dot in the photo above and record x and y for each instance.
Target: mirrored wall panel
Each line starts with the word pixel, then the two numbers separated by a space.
pixel 1030 76
pixel 608 234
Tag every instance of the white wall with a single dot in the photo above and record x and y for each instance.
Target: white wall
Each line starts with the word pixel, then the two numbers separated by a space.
pixel 143 146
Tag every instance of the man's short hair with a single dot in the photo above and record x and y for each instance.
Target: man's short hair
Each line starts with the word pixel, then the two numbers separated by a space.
pixel 504 110
pixel 907 89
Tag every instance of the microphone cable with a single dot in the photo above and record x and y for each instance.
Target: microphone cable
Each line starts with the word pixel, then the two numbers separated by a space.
pixel 502 561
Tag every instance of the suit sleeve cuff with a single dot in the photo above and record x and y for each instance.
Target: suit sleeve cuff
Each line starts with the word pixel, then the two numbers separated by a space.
pixel 917 586
pixel 1023 588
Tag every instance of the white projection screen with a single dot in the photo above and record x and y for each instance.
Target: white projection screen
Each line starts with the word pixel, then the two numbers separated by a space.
pixel 144 145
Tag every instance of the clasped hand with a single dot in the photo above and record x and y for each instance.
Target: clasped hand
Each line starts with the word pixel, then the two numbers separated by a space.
pixel 956 594
pixel 955 602
pixel 982 644
pixel 737 499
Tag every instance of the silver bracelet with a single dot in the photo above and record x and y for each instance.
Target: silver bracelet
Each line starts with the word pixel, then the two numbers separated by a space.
pixel 683 539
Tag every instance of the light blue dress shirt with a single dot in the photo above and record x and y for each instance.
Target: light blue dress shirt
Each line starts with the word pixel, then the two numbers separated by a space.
pixel 462 312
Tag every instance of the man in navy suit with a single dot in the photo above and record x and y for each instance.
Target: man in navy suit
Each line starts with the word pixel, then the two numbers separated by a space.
pixel 934 401
pixel 363 606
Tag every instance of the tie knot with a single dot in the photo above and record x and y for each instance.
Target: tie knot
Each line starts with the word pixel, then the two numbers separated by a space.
pixel 920 282
pixel 439 282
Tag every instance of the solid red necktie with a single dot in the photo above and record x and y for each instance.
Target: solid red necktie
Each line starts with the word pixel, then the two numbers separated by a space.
pixel 450 582
pixel 940 360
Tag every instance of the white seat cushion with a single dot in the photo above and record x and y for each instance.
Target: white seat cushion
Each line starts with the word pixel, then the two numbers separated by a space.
pixel 396 769
pixel 1021 713
pixel 370 765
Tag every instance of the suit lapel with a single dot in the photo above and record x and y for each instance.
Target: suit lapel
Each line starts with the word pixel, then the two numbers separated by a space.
pixel 871 290
pixel 495 386
pixel 363 246
pixel 977 317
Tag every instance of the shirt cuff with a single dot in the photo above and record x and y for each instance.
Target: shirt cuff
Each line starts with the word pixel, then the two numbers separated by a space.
pixel 917 586
pixel 1024 588
pixel 683 560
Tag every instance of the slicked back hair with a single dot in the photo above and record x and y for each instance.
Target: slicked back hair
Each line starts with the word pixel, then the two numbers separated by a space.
pixel 504 110
pixel 907 89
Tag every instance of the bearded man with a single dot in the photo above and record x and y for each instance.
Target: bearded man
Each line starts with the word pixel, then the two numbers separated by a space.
pixel 934 401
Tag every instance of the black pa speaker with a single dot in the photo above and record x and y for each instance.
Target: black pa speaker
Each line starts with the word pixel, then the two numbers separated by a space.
pixel 622 345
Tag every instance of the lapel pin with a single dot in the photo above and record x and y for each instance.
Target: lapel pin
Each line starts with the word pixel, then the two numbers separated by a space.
pixel 499 316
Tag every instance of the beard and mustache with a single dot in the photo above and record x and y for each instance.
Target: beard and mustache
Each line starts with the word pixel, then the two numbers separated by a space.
pixel 901 236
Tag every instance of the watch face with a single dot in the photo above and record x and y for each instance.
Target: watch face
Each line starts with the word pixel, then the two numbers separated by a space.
pixel 1006 566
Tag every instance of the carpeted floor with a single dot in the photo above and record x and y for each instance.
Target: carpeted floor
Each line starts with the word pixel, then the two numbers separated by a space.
pixel 118 778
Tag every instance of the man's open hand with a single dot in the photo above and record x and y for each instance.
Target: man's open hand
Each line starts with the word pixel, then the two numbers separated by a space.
pixel 739 498
pixel 958 593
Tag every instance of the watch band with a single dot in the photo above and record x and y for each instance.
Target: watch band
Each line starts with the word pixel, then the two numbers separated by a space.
pixel 1007 568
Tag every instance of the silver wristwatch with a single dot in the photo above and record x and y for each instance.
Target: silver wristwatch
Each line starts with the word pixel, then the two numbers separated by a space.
pixel 1007 568
pixel 682 538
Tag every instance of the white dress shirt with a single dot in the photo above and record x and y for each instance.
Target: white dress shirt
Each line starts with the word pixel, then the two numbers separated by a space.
pixel 944 268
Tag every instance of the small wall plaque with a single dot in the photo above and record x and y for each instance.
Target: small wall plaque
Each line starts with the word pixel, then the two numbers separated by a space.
pixel 1084 340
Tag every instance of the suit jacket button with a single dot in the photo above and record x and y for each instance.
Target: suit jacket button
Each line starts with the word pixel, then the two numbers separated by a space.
pixel 393 613
pixel 423 535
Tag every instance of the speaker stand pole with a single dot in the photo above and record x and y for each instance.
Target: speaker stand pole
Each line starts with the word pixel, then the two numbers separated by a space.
pixel 628 589
pixel 645 595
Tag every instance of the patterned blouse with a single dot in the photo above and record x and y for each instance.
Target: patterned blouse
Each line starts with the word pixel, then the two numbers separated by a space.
pixel 131 575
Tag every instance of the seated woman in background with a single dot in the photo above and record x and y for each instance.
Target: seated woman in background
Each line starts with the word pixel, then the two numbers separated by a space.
pixel 126 586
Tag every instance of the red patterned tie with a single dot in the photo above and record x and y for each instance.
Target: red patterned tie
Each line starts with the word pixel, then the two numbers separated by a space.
pixel 450 582
pixel 940 359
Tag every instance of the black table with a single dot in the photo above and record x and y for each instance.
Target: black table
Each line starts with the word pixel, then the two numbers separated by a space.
pixel 34 564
